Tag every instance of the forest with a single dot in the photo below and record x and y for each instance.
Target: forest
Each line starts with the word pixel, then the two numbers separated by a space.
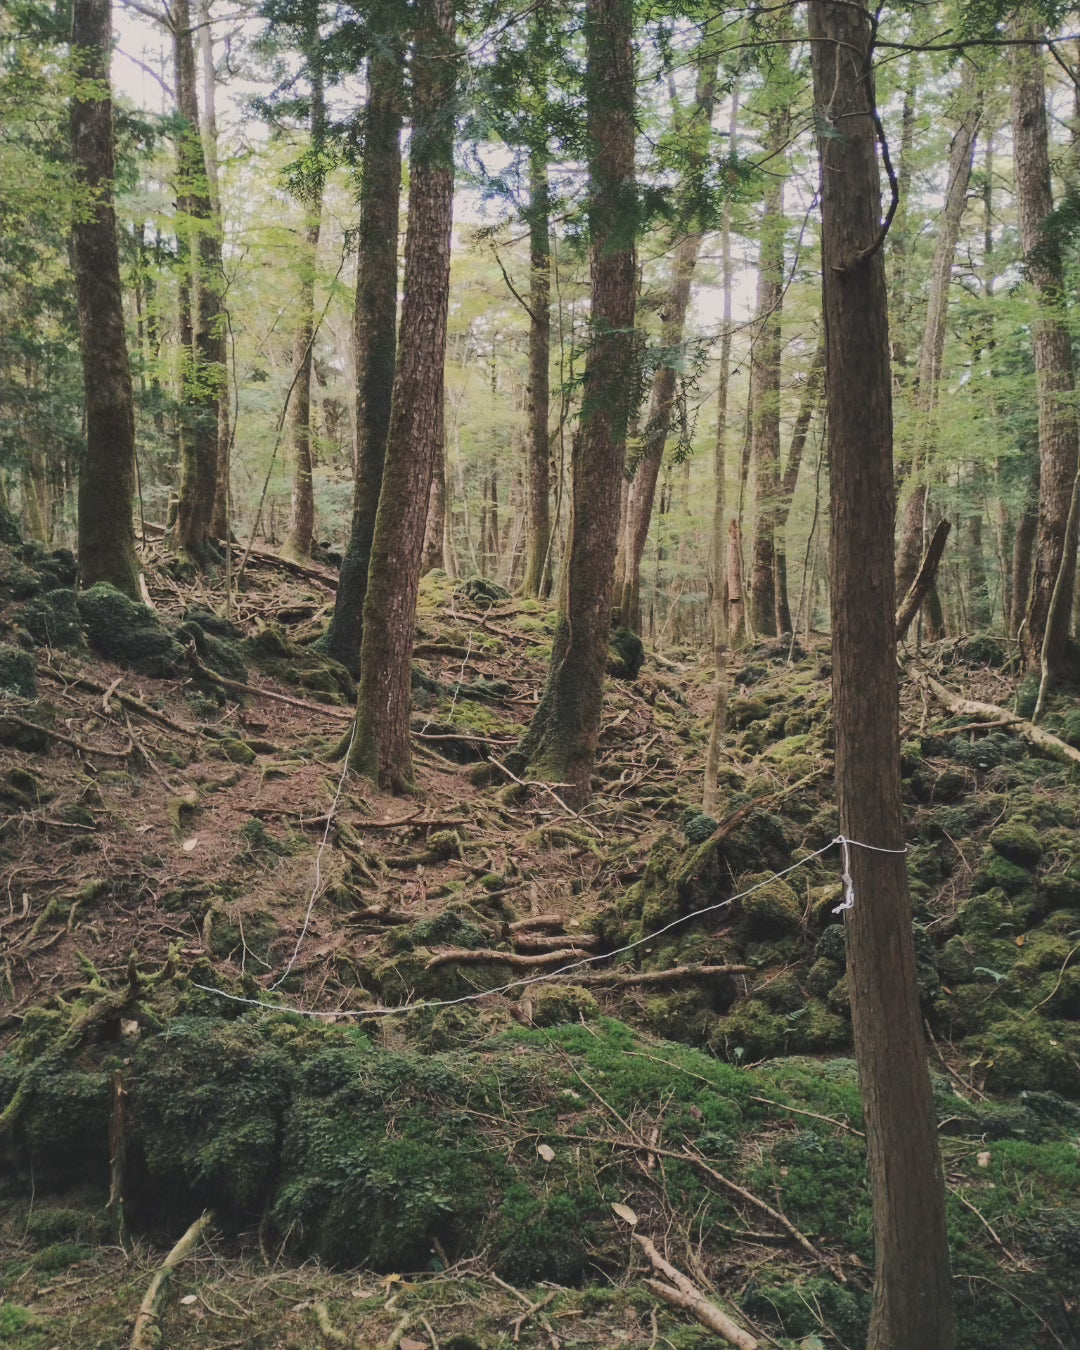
pixel 539 675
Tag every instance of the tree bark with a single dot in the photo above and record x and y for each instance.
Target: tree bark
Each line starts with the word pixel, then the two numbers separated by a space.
pixel 434 554
pixel 912 1300
pixel 538 478
pixel 1053 358
pixel 374 326
pixel 107 473
pixel 765 362
pixel 381 747
pixel 204 343
pixel 561 740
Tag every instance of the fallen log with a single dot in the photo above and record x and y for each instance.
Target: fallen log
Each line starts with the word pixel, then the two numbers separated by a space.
pixel 1054 746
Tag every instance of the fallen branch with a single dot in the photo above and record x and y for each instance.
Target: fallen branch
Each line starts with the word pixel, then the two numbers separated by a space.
pixel 26 725
pixel 547 788
pixel 683 1293
pixel 73 681
pixel 673 975
pixel 924 579
pixel 143 1338
pixel 535 942
pixel 329 1331
pixel 967 707
pixel 474 955
pixel 257 691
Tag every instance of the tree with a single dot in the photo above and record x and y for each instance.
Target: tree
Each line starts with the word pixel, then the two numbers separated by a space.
pixel 201 322
pixel 1058 450
pixel 912 1301
pixel 561 739
pixel 107 475
pixel 374 323
pixel 381 739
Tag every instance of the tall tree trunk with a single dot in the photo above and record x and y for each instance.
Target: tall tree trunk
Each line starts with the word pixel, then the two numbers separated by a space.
pixel 374 327
pixel 561 740
pixel 765 357
pixel 538 480
pixel 912 1299
pixel 435 529
pixel 1053 357
pixel 381 747
pixel 808 405
pixel 932 347
pixel 302 512
pixel 220 526
pixel 107 473
pixel 662 393
pixel 204 359
pixel 898 252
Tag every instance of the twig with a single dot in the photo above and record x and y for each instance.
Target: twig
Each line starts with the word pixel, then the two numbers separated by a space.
pixel 547 788
pixel 531 1311
pixel 143 1338
pixel 797 1111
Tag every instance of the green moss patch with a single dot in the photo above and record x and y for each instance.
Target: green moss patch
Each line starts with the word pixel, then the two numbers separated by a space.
pixel 128 633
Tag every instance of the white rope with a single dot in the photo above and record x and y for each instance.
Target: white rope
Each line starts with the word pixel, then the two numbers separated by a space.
pixel 845 874
pixel 523 983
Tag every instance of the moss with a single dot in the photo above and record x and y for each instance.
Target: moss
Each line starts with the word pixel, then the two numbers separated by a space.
pixel 271 652
pixel 1060 890
pixel 56 1223
pixel 771 909
pixel 130 634
pixel 816 1030
pixel 1017 842
pixel 741 712
pixel 626 654
pixel 446 929
pixel 222 655
pixel 233 750
pixel 751 1031
pixel 17 672
pixel 482 592
pixel 1035 1053
pixel 552 1004
pixel 810 1307
pixel 53 620
pixel 685 1015
pixel 996 871
pixel 696 826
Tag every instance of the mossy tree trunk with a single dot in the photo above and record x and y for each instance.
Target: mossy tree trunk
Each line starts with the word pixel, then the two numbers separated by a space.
pixel 1053 360
pixel 374 326
pixel 561 740
pixel 202 331
pixel 107 474
pixel 912 1299
pixel 381 747
pixel 766 348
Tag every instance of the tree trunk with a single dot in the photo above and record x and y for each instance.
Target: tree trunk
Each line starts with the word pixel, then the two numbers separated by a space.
pixel 765 362
pixel 561 740
pixel 808 405
pixel 912 1300
pixel 435 529
pixel 381 747
pixel 220 526
pixel 203 374
pixel 932 347
pixel 107 473
pixel 374 325
pixel 1053 358
pixel 538 480
pixel 898 252
pixel 662 394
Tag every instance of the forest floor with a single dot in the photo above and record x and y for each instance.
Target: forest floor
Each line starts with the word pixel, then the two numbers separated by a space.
pixel 234 978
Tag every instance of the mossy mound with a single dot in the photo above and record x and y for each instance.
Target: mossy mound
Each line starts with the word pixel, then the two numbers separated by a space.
pixel 53 619
pixel 17 672
pixel 552 1004
pixel 769 908
pixel 219 654
pixel 1018 842
pixel 482 592
pixel 321 677
pixel 626 654
pixel 128 633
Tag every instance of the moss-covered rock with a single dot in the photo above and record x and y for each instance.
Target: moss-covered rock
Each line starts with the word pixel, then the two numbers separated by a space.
pixel 1027 1052
pixel 325 679
pixel 221 655
pixel 749 1032
pixel 482 592
pixel 130 634
pixel 17 672
pixel 1017 842
pixel 552 1004
pixel 770 909
pixel 53 619
pixel 996 871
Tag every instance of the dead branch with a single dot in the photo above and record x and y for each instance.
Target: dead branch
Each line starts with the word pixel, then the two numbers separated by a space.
pixel 535 942
pixel 552 921
pixel 673 975
pixel 686 1295
pixel 924 579
pixel 257 691
pixel 147 1318
pixel 26 725
pixel 547 788
pixel 74 681
pixel 474 955
pixel 967 707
